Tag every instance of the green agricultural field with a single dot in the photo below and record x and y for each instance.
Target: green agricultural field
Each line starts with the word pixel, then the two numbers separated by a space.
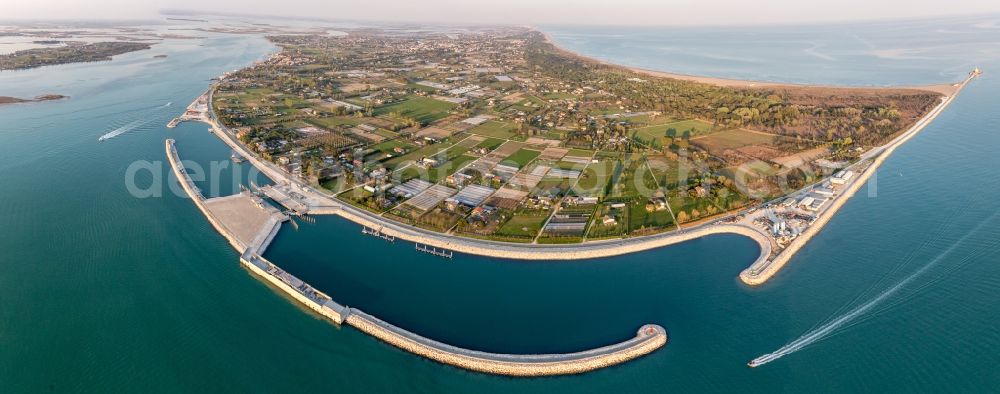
pixel 568 165
pixel 560 239
pixel 389 146
pixel 450 160
pixel 559 96
pixel 386 133
pixel 553 135
pixel 607 155
pixel 689 209
pixel 354 196
pixel 634 180
pixel 732 139
pixel 648 120
pixel 667 172
pixel 529 104
pixel 604 111
pixel 580 153
pixel 521 158
pixel 451 153
pixel 641 219
pixel 425 151
pixel 490 143
pixel 599 230
pixel 553 187
pixel 335 185
pixel 330 123
pixel 594 179
pixel 689 128
pixel 422 88
pixel 436 174
pixel 422 109
pixel 524 224
pixel 495 129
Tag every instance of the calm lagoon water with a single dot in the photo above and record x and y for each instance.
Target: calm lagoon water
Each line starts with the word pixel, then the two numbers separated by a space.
pixel 102 291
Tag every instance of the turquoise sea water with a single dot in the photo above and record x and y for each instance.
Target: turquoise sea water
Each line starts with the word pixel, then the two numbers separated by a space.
pixel 101 291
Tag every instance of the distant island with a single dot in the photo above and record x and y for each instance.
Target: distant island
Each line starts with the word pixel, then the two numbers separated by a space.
pixel 44 97
pixel 186 20
pixel 73 52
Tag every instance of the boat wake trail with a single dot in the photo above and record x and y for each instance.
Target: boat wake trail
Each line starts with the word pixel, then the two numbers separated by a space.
pixel 825 330
pixel 135 124
pixel 122 130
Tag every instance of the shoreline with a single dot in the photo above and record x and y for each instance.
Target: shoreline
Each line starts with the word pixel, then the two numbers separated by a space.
pixel 487 248
pixel 761 271
pixel 946 89
pixel 648 338
pixel 756 273
pixel 762 268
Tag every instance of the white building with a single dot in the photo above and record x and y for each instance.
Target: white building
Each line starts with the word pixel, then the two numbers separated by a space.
pixel 806 201
pixel 824 192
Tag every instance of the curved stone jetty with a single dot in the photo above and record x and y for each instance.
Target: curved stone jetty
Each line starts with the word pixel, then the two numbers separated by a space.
pixel 649 337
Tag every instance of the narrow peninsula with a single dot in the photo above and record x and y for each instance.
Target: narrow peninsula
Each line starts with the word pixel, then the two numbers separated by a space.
pixel 495 142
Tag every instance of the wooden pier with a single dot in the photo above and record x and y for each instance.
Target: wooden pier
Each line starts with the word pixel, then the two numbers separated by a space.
pixel 376 233
pixel 434 251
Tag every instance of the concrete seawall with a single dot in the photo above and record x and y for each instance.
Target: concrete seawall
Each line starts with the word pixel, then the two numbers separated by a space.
pixel 589 250
pixel 199 200
pixel 300 291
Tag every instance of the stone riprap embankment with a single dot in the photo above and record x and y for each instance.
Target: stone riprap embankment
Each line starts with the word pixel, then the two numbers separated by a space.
pixel 649 338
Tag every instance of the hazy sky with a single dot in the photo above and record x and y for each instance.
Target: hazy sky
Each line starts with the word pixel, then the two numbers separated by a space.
pixel 617 12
